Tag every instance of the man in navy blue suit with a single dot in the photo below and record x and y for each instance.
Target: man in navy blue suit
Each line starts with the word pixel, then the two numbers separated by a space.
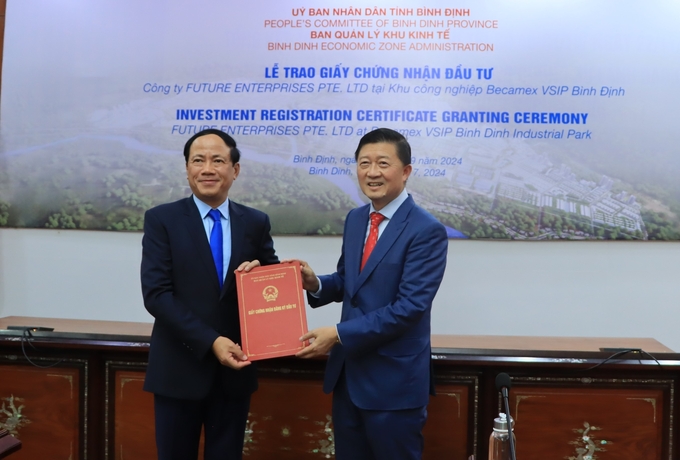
pixel 197 371
pixel 379 367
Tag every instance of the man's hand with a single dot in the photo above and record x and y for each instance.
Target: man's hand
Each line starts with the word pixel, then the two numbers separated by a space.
pixel 324 338
pixel 229 354
pixel 247 266
pixel 310 282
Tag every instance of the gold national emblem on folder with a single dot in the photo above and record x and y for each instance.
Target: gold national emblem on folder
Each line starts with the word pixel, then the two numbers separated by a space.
pixel 270 293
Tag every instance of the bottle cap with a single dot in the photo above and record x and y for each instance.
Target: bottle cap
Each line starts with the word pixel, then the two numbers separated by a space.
pixel 500 423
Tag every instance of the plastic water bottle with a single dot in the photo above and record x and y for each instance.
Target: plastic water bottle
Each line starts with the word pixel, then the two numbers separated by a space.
pixel 499 442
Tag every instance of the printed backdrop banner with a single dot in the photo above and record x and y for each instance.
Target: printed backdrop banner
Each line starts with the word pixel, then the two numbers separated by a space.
pixel 528 120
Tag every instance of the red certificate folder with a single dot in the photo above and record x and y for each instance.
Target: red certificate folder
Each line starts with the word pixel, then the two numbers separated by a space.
pixel 271 307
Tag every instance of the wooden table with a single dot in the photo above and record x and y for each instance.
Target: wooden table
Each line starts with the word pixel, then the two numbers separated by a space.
pixel 90 403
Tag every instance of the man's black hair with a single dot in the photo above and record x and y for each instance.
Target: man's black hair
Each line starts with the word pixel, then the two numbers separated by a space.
pixel 388 136
pixel 234 153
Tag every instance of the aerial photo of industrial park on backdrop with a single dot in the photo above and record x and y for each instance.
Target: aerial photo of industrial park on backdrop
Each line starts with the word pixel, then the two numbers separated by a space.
pixel 536 123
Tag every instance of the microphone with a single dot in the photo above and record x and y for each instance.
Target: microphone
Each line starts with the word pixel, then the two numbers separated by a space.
pixel 503 385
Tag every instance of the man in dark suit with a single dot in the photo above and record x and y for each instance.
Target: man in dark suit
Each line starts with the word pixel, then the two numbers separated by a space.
pixel 379 365
pixel 197 371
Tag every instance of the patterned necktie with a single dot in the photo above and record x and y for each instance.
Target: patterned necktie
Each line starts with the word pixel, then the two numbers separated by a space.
pixel 372 239
pixel 216 243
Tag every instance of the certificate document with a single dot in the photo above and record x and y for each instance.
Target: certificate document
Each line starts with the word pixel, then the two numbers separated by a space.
pixel 271 307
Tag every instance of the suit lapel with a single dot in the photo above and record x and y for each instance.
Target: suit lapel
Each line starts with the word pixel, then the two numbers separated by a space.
pixel 355 243
pixel 390 235
pixel 238 236
pixel 194 224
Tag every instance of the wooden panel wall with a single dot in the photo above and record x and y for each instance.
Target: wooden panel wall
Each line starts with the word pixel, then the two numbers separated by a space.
pixel 91 405
pixel 290 419
pixel 603 418
pixel 44 408
pixel 133 436
pixel 450 418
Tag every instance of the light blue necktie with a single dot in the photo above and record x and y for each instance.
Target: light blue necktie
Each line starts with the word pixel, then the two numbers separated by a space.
pixel 216 243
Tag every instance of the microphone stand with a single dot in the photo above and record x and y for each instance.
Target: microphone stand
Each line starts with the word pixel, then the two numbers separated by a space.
pixel 506 404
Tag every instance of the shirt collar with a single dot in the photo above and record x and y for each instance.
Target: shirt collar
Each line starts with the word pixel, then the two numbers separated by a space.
pixel 204 209
pixel 391 207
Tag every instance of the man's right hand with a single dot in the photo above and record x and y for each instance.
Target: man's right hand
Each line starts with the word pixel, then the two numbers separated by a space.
pixel 229 353
pixel 310 282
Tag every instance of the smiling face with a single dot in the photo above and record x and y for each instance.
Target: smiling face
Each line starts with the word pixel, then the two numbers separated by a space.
pixel 382 176
pixel 210 171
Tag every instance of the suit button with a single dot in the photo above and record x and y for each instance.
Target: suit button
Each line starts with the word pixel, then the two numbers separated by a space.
pixel 354 302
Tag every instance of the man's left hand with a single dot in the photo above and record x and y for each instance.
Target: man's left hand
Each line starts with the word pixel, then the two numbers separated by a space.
pixel 247 266
pixel 323 339
pixel 229 354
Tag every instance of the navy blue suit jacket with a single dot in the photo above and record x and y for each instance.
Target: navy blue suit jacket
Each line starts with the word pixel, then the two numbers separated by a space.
pixel 385 323
pixel 181 291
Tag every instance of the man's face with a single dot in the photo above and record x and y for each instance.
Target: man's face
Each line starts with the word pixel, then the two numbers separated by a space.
pixel 382 176
pixel 209 170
